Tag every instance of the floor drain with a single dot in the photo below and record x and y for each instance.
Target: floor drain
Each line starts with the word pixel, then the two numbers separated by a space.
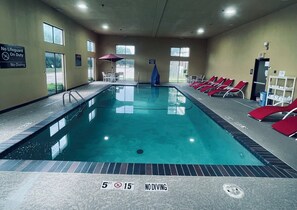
pixel 233 190
pixel 140 151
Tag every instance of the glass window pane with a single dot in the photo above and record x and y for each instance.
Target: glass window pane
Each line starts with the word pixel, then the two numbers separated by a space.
pixel 120 49
pixel 58 36
pixel 91 69
pixel 90 46
pixel 185 52
pixel 126 66
pixel 130 50
pixel 175 51
pixel 48 33
pixel 173 71
pixel 183 71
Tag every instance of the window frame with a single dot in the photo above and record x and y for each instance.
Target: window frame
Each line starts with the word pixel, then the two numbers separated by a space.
pixel 92 45
pixel 53 34
pixel 180 52
pixel 125 46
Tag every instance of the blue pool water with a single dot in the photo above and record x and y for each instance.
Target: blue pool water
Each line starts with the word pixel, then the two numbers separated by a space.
pixel 142 124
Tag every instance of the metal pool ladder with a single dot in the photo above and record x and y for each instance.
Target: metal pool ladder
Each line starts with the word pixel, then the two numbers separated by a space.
pixel 70 93
pixel 82 105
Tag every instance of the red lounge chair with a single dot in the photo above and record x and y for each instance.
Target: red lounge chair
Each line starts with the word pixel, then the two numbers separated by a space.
pixel 212 79
pixel 225 84
pixel 230 90
pixel 214 84
pixel 287 126
pixel 264 111
pixel 220 80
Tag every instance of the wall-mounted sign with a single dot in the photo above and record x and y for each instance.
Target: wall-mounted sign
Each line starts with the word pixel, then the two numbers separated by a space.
pixel 12 56
pixel 77 60
pixel 152 61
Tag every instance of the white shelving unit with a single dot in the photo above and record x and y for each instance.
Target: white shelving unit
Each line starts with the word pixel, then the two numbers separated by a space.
pixel 280 90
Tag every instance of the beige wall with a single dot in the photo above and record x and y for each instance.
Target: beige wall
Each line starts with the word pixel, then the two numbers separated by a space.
pixel 21 23
pixel 156 48
pixel 233 54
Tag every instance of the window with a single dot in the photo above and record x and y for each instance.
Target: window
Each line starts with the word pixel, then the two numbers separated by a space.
pixel 180 52
pixel 91 68
pixel 90 46
pixel 125 49
pixel 52 34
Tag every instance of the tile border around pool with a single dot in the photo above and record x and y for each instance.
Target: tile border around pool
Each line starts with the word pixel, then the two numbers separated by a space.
pixel 273 166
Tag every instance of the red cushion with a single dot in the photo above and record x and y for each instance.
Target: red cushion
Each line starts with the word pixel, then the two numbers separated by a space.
pixel 287 126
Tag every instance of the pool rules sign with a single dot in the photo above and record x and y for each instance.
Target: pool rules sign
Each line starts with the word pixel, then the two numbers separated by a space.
pixel 12 56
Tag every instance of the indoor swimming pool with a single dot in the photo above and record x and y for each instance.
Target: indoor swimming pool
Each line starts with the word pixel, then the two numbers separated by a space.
pixel 136 124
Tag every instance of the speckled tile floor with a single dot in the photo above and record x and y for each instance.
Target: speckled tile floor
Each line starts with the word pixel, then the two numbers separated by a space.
pixel 41 190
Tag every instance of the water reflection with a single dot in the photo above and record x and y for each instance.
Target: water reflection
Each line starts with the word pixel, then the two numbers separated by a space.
pixel 91 102
pixel 176 102
pixel 92 115
pixel 57 126
pixel 130 98
pixel 59 146
pixel 125 109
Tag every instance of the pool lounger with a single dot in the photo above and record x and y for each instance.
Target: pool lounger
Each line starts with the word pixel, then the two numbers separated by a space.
pixel 287 126
pixel 264 111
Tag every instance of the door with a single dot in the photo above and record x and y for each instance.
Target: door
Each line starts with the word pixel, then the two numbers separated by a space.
pixel 126 68
pixel 259 78
pixel 54 68
pixel 178 71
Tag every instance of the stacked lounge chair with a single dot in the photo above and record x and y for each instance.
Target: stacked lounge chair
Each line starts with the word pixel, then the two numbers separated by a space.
pixel 213 84
pixel 210 81
pixel 225 84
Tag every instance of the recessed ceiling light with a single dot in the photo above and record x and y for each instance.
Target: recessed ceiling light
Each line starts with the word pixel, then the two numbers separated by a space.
pixel 105 26
pixel 229 12
pixel 82 6
pixel 200 31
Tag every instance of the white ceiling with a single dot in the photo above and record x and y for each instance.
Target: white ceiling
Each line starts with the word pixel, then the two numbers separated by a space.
pixel 165 18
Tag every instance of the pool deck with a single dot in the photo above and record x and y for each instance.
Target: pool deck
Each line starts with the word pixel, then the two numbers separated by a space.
pixel 43 190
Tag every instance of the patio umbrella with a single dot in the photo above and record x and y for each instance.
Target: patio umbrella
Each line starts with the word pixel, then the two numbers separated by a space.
pixel 112 58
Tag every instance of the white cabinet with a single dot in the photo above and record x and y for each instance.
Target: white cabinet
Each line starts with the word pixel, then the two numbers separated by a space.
pixel 280 90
